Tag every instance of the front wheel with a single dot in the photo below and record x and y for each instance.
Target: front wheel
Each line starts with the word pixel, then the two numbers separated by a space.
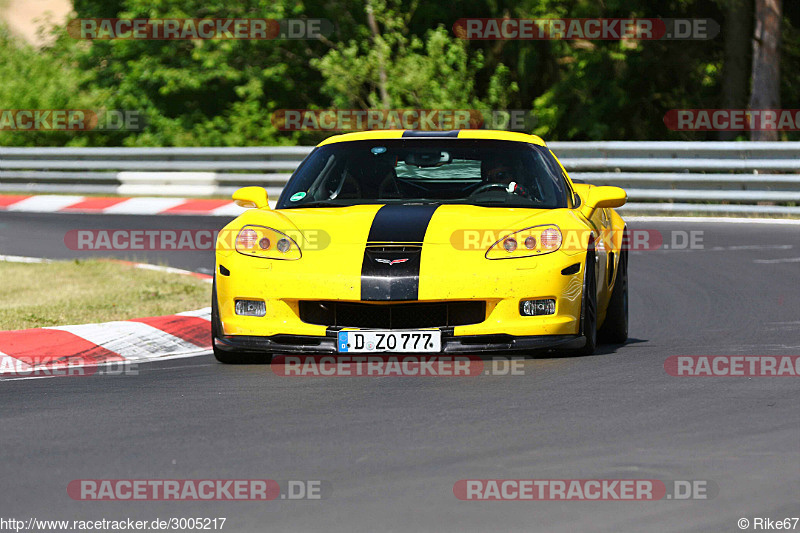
pixel 615 327
pixel 589 307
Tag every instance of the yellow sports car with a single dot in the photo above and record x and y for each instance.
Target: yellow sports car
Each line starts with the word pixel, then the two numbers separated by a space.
pixel 468 241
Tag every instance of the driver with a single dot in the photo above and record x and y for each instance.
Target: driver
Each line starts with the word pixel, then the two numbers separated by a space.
pixel 496 171
pixel 502 174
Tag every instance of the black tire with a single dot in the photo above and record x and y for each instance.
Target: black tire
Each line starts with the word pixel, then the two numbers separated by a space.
pixel 589 307
pixel 226 357
pixel 615 327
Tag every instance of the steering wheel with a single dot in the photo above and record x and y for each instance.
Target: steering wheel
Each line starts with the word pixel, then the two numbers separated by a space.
pixel 488 186
pixel 518 189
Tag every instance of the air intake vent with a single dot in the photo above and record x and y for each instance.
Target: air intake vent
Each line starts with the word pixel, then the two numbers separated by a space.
pixel 392 316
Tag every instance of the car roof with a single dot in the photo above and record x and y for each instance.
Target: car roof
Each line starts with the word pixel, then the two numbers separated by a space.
pixel 496 135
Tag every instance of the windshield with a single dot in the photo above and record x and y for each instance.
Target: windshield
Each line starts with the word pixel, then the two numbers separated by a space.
pixel 454 171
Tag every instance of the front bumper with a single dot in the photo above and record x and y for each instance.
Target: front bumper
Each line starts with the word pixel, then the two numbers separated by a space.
pixel 464 344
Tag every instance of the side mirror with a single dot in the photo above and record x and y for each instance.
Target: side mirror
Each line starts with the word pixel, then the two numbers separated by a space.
pixel 602 197
pixel 251 198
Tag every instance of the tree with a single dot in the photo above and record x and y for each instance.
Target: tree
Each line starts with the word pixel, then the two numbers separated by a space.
pixel 766 86
pixel 738 27
pixel 404 54
pixel 43 79
pixel 392 69
pixel 210 92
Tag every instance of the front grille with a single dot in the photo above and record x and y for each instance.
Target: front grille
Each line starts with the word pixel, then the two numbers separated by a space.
pixel 392 316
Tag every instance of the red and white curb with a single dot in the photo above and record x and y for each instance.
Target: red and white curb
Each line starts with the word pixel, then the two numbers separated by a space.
pixel 24 352
pixel 118 206
pixel 204 206
pixel 41 352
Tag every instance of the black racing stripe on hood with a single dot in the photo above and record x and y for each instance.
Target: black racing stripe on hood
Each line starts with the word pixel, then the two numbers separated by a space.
pixel 382 280
pixel 401 223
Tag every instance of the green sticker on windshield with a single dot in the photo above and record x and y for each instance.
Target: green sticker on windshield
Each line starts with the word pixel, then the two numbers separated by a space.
pixel 296 197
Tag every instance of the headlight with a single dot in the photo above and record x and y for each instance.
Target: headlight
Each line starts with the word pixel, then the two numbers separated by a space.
pixel 536 240
pixel 260 241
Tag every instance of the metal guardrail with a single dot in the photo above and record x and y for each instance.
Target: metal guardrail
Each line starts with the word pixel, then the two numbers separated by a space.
pixel 713 177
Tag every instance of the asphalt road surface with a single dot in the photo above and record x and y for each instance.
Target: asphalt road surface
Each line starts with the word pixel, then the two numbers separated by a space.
pixel 390 449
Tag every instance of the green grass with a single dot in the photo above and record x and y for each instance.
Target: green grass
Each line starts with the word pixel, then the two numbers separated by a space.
pixel 82 292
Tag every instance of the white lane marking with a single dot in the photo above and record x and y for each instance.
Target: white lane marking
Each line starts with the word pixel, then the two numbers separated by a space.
pixel 143 266
pixel 744 248
pixel 133 340
pixel 724 220
pixel 754 247
pixel 230 209
pixel 199 313
pixel 170 270
pixel 20 259
pixel 234 210
pixel 143 206
pixel 160 268
pixel 2 379
pixel 776 261
pixel 45 203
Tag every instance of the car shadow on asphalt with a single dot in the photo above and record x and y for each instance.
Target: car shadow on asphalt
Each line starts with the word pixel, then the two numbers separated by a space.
pixel 602 349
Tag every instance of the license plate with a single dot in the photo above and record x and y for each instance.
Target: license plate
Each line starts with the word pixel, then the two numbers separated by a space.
pixel 390 341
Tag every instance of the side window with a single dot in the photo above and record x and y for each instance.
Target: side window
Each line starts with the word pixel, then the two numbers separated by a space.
pixel 572 197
